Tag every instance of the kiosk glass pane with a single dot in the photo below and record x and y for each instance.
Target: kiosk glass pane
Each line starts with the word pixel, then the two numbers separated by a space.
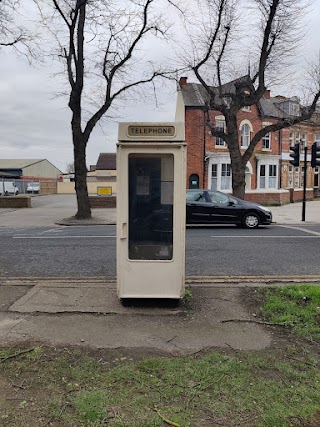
pixel 150 206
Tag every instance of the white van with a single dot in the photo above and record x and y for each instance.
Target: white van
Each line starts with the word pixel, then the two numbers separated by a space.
pixel 8 187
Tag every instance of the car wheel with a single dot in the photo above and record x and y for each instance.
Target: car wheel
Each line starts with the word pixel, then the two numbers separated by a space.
pixel 251 220
pixel 6 193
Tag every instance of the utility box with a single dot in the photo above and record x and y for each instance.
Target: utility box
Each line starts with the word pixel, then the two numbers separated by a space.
pixel 151 207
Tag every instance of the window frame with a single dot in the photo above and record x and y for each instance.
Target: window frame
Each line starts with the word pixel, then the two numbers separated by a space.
pixel 268 176
pixel 221 176
pixel 266 142
pixel 219 142
pixel 243 135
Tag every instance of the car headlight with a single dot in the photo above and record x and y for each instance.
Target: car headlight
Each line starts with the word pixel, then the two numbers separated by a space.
pixel 265 209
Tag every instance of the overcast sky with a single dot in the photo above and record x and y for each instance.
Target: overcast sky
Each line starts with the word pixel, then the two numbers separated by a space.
pixel 35 124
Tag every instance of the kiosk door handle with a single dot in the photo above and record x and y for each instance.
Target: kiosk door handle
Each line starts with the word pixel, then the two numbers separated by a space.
pixel 123 231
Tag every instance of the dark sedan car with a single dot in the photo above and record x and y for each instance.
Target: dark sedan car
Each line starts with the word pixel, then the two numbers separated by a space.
pixel 210 206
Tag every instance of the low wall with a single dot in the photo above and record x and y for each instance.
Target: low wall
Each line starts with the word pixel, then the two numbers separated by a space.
pixel 296 195
pixel 276 198
pixel 15 202
pixel 68 187
pixel 103 201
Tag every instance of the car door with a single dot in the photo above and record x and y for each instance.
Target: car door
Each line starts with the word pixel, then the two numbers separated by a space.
pixel 198 207
pixel 224 209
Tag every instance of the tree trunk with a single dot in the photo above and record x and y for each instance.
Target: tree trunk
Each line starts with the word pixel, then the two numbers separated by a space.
pixel 237 165
pixel 238 176
pixel 80 168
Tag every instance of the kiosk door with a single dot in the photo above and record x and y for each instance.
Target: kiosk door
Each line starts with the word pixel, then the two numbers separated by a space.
pixel 150 263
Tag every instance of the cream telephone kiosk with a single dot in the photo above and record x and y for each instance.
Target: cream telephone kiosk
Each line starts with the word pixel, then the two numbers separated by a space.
pixel 151 165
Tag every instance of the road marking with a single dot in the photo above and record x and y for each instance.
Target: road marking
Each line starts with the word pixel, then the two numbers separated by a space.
pixel 62 237
pixel 52 230
pixel 302 229
pixel 270 237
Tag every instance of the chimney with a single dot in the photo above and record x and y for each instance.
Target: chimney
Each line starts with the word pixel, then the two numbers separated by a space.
pixel 183 81
pixel 267 94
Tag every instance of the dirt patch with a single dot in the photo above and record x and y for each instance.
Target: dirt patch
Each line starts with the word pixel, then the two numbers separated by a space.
pixel 282 336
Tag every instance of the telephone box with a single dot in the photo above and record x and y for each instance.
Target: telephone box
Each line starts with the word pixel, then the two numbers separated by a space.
pixel 151 206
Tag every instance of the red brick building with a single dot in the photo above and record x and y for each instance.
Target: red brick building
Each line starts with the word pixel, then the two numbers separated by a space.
pixel 269 176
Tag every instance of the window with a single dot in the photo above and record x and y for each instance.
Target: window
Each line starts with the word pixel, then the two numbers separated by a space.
pixel 297 138
pixel 296 177
pixel 225 176
pixel 214 177
pixel 218 198
pixel 246 107
pixel 316 176
pixel 290 181
pixel 294 109
pixel 263 176
pixel 245 135
pixel 291 139
pixel 268 176
pixel 150 220
pixel 220 125
pixel 221 176
pixel 272 176
pixel 304 139
pixel 196 196
pixel 317 139
pixel 266 142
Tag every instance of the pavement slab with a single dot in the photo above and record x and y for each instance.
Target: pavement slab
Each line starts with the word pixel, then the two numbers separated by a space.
pixel 91 315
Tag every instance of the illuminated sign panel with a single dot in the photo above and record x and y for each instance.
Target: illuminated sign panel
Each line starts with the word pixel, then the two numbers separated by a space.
pixel 152 131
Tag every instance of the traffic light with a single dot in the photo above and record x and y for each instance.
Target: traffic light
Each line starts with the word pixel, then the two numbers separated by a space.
pixel 295 154
pixel 315 155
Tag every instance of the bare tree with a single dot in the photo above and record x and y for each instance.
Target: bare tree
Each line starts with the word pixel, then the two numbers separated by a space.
pixel 12 33
pixel 98 44
pixel 276 32
pixel 70 167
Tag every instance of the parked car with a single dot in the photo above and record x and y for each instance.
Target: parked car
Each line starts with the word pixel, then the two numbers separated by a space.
pixel 8 187
pixel 210 206
pixel 33 187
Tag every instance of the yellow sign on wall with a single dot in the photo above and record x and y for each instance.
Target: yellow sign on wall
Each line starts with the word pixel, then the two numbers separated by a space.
pixel 104 191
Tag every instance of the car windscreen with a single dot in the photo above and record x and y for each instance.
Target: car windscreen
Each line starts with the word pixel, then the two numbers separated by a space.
pixel 195 196
pixel 218 198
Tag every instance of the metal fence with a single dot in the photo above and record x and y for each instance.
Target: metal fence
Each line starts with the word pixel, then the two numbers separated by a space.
pixel 14 187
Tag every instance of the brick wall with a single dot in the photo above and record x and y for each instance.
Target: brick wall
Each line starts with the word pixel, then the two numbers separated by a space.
pixel 15 202
pixel 195 134
pixel 269 198
pixel 103 202
pixel 297 194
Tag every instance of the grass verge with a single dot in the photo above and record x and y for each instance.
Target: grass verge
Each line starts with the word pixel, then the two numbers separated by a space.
pixel 295 306
pixel 69 388
pixel 273 388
